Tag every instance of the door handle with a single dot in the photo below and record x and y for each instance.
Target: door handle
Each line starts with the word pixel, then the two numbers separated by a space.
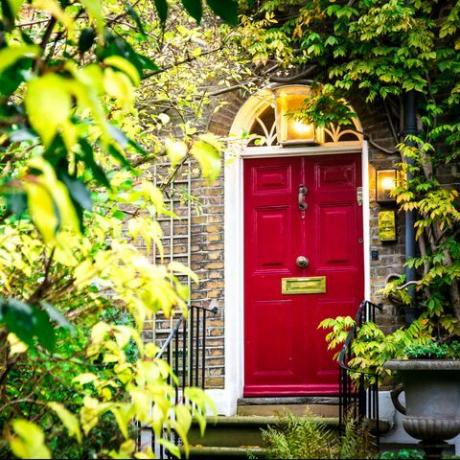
pixel 302 262
pixel 301 197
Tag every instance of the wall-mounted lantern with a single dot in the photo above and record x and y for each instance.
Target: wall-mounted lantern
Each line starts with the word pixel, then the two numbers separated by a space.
pixel 290 130
pixel 386 182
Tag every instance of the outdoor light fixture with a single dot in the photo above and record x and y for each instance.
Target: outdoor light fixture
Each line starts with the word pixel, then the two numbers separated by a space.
pixel 386 182
pixel 289 100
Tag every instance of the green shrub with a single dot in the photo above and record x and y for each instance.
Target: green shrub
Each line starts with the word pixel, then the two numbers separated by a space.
pixel 434 350
pixel 307 437
pixel 403 453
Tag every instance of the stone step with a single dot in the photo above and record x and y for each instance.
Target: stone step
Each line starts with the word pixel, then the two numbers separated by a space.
pixel 240 431
pixel 198 452
pixel 298 406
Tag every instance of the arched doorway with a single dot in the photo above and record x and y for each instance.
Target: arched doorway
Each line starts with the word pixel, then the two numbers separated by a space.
pixel 274 298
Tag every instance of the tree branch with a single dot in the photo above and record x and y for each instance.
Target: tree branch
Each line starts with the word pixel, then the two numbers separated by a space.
pixel 185 61
pixel 45 283
pixel 48 31
pixel 304 74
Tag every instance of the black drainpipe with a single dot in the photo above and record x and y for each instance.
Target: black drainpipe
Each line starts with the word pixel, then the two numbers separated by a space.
pixel 410 127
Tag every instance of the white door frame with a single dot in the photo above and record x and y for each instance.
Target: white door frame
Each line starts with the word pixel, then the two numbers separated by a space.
pixel 226 399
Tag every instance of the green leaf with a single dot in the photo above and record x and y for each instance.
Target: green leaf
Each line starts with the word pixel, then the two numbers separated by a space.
pixel 27 322
pixel 16 203
pixel 11 54
pixel 86 40
pixel 48 103
pixel 10 9
pixel 194 8
pixel 225 9
pixel 78 191
pixel 56 316
pixel 14 75
pixel 136 18
pixel 88 159
pixel 120 47
pixel 115 153
pixel 19 319
pixel 162 10
pixel 44 330
pixel 146 63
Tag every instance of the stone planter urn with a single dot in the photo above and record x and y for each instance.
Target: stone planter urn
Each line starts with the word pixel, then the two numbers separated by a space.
pixel 432 390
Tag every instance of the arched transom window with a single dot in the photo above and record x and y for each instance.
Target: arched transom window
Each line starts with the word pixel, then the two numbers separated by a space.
pixel 258 121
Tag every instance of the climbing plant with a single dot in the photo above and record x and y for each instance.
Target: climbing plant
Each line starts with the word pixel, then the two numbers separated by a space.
pixel 78 200
pixel 383 50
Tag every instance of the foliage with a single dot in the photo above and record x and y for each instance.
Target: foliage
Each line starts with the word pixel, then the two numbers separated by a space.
pixel 78 200
pixel 307 437
pixel 372 347
pixel 434 350
pixel 380 52
pixel 402 453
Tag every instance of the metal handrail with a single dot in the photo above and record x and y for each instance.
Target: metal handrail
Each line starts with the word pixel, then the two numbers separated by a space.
pixel 355 399
pixel 346 347
pixel 185 351
pixel 212 309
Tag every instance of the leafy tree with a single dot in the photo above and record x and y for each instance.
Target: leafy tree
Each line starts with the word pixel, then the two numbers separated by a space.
pixel 78 196
pixel 383 50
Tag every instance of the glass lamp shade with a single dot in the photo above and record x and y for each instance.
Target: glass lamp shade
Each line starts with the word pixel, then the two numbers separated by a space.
pixel 386 182
pixel 290 130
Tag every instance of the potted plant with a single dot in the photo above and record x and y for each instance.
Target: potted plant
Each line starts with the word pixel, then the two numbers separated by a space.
pixel 430 377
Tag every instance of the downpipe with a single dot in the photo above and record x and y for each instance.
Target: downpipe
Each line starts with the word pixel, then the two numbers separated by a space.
pixel 410 128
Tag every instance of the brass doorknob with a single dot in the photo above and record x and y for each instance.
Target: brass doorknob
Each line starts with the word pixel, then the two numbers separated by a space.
pixel 302 262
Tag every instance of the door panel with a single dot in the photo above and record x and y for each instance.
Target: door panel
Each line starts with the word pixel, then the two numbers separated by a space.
pixel 285 353
pixel 272 224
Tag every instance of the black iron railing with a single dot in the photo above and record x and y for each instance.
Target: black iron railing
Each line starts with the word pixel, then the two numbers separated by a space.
pixel 185 351
pixel 358 390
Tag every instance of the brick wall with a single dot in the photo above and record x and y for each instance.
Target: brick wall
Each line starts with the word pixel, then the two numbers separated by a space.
pixel 207 261
pixel 208 243
pixel 207 232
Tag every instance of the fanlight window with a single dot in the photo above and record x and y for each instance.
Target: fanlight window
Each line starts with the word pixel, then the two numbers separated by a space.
pixel 260 114
pixel 263 130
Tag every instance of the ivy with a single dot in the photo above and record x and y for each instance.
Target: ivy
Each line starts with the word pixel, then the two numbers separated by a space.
pixel 380 51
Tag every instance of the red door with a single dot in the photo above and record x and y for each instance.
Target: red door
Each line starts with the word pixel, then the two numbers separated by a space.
pixel 285 353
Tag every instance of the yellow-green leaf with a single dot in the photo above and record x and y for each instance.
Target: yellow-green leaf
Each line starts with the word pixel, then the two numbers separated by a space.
pixel 48 103
pixel 126 450
pixel 176 150
pixel 15 6
pixel 123 414
pixel 125 66
pixel 68 419
pixel 119 86
pixel 41 210
pixel 53 7
pixel 207 151
pixel 49 201
pixel 99 331
pixel 29 441
pixel 178 267
pixel 94 9
pixel 85 378
pixel 10 54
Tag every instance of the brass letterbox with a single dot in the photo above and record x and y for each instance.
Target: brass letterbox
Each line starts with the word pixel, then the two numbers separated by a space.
pixel 304 285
